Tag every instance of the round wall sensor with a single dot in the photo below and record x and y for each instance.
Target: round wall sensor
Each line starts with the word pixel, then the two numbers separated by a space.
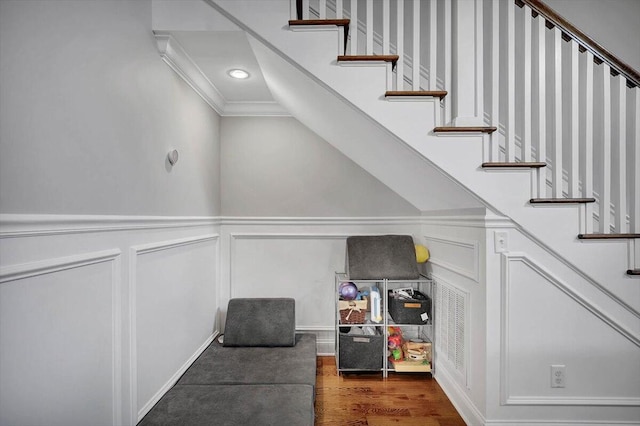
pixel 173 157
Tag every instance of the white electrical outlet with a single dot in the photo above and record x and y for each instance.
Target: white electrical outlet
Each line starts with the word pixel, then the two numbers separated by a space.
pixel 558 376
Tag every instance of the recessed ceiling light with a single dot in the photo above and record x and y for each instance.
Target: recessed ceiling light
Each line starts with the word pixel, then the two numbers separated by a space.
pixel 238 73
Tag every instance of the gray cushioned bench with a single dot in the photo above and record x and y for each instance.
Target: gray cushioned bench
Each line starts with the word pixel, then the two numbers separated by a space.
pixel 263 374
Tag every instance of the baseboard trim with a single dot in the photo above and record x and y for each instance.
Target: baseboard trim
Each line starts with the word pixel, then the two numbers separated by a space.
pixel 174 379
pixel 459 398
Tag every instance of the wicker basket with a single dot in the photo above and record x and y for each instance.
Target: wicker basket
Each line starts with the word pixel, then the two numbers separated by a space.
pixel 352 316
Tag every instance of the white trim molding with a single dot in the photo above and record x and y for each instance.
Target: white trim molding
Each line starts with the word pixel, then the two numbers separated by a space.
pixel 505 397
pixel 174 379
pixel 179 61
pixel 472 273
pixel 28 225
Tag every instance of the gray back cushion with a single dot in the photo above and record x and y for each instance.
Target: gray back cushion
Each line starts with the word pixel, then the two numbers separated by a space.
pixel 381 256
pixel 260 322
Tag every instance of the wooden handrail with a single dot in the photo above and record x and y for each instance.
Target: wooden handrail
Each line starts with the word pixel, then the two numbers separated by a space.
pixel 587 42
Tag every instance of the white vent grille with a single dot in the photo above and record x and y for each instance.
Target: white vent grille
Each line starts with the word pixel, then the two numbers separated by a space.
pixel 450 323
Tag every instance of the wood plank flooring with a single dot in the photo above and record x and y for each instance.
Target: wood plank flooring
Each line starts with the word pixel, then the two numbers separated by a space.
pixel 368 399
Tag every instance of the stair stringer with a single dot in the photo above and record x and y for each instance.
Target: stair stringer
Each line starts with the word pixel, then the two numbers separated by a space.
pixel 301 70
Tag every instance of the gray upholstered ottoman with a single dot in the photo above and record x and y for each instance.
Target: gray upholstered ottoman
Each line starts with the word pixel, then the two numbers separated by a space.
pixel 263 374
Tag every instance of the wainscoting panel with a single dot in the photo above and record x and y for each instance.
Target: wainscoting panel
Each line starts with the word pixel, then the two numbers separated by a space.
pixel 457 255
pixel 174 300
pixel 301 266
pixel 60 341
pixel 543 322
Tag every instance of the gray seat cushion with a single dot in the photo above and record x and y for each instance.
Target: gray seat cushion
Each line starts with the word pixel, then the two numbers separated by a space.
pixel 260 322
pixel 255 365
pixel 381 256
pixel 233 405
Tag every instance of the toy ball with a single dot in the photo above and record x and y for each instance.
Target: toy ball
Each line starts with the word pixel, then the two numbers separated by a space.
pixel 422 253
pixel 348 291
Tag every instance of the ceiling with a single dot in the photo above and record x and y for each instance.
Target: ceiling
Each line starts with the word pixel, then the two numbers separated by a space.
pixel 217 52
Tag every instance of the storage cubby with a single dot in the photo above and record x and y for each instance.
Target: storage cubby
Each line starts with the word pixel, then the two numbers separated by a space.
pixel 406 306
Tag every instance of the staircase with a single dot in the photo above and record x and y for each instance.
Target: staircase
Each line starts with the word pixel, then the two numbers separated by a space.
pixel 513 141
pixel 533 13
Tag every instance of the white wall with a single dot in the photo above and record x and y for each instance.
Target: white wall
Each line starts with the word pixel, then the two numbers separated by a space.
pixel 89 111
pixel 109 257
pixel 275 166
pixel 614 24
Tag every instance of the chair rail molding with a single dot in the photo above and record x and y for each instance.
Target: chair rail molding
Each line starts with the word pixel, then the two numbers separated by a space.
pixel 28 225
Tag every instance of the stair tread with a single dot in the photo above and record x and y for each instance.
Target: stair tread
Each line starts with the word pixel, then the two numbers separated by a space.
pixel 365 58
pixel 561 200
pixel 633 271
pixel 430 93
pixel 518 164
pixel 606 236
pixel 338 22
pixel 465 129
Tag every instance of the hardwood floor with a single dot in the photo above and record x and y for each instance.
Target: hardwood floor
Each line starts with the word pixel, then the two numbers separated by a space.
pixel 368 399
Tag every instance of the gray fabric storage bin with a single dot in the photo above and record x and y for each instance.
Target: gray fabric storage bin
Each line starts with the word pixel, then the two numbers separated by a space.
pixel 361 352
pixel 410 311
pixel 381 256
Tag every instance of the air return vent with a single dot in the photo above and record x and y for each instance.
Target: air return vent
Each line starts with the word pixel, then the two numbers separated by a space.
pixel 451 326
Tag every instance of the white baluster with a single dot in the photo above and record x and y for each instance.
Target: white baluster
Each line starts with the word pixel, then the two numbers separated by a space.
pixel 574 178
pixel 556 182
pixel 510 125
pixel 620 84
pixel 542 111
pixel 369 27
pixel 305 9
pixel 448 78
pixel 479 58
pixel 400 45
pixel 354 27
pixel 339 9
pixel 526 134
pixel 386 36
pixel 322 9
pixel 605 196
pixel 416 45
pixel 635 214
pixel 433 46
pixel 588 141
pixel 495 79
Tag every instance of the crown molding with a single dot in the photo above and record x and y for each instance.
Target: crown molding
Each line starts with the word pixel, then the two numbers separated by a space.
pixel 174 55
pixel 179 60
pixel 244 109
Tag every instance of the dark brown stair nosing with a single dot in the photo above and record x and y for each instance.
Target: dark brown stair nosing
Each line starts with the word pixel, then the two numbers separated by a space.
pixel 606 236
pixel 465 129
pixel 562 200
pixel 417 93
pixel 516 165
pixel 302 22
pixel 633 271
pixel 370 58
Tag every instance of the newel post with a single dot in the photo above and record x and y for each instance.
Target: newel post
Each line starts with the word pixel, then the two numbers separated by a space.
pixel 467 62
